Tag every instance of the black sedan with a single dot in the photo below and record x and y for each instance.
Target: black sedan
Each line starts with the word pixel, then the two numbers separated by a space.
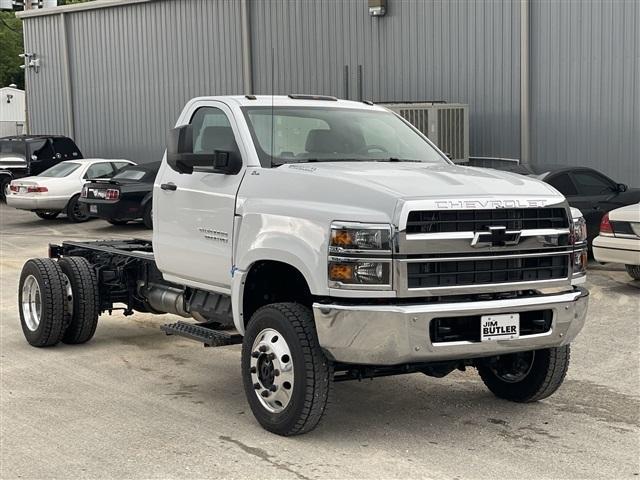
pixel 592 192
pixel 124 197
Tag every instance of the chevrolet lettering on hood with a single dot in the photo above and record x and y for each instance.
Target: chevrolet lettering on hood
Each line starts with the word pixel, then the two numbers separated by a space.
pixel 467 204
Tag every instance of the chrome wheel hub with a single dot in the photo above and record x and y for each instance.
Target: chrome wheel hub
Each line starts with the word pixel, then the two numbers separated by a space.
pixel 271 370
pixel 31 303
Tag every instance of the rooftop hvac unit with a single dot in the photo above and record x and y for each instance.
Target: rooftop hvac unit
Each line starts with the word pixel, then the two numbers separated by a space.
pixel 445 124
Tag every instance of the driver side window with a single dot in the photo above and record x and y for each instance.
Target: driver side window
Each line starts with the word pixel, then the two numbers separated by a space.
pixel 589 183
pixel 212 131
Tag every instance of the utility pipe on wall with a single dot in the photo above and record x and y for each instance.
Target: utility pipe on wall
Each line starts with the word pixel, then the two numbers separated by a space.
pixel 66 71
pixel 525 100
pixel 247 74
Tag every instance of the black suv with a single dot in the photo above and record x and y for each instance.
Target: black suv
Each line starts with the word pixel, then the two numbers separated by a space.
pixel 25 155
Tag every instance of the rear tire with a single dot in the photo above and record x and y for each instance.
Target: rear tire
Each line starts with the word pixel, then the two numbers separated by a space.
pixel 85 299
pixel 147 216
pixel 633 271
pixel 42 302
pixel 47 215
pixel 77 212
pixel 115 221
pixel 287 379
pixel 4 184
pixel 527 376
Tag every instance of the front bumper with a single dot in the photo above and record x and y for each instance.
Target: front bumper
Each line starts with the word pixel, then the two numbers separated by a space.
pixel 397 334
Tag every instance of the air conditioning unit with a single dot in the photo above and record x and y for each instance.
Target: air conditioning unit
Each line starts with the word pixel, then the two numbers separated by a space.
pixel 445 124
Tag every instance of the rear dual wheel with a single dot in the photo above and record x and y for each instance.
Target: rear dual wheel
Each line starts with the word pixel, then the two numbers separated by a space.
pixel 287 379
pixel 58 301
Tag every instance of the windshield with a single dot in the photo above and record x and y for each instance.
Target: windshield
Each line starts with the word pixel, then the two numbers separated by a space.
pixel 60 170
pixel 308 134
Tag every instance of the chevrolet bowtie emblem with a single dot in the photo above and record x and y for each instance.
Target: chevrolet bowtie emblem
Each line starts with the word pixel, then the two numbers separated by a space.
pixel 496 237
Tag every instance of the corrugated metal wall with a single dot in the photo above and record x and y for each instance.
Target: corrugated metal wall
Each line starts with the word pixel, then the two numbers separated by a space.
pixel 585 85
pixel 458 51
pixel 132 70
pixel 134 66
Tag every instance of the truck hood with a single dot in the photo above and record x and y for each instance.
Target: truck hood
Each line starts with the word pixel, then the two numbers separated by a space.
pixel 421 180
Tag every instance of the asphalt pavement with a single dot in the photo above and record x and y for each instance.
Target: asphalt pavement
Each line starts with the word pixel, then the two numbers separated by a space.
pixel 134 403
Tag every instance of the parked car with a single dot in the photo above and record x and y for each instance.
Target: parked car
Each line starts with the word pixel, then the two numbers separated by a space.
pixel 28 155
pixel 58 188
pixel 126 196
pixel 619 239
pixel 586 189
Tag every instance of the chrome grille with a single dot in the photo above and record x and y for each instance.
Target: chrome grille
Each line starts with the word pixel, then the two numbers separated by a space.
pixel 441 221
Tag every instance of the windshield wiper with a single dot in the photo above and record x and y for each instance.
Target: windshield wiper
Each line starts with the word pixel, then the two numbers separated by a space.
pixel 395 159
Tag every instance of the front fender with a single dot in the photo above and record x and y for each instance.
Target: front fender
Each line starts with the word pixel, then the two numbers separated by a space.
pixel 298 242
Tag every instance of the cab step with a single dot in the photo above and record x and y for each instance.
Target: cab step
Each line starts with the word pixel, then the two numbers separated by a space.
pixel 202 332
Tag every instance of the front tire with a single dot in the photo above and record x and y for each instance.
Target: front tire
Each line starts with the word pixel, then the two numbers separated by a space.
pixel 85 300
pixel 77 212
pixel 287 379
pixel 526 376
pixel 633 271
pixel 42 299
pixel 47 215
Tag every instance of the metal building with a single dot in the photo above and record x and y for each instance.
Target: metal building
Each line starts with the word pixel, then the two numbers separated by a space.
pixel 550 81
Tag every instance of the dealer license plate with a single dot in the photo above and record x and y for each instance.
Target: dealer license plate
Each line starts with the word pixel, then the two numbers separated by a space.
pixel 499 327
pixel 93 208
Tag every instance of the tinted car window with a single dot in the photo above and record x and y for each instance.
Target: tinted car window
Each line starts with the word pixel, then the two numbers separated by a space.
pixel 12 148
pixel 563 184
pixel 98 170
pixel 211 131
pixel 66 148
pixel 42 149
pixel 60 170
pixel 120 165
pixel 589 183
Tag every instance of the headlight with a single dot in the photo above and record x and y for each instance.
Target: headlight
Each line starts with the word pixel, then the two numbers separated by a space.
pixel 359 237
pixel 345 272
pixel 578 227
pixel 360 256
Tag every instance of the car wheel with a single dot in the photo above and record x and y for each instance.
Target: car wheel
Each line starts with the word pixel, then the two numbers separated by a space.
pixel 633 271
pixel 84 301
pixel 147 216
pixel 287 379
pixel 4 184
pixel 43 301
pixel 115 221
pixel 76 211
pixel 525 376
pixel 47 215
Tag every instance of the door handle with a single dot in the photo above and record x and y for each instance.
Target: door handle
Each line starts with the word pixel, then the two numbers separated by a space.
pixel 169 186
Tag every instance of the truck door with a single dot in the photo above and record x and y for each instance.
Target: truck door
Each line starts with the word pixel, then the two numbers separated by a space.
pixel 194 214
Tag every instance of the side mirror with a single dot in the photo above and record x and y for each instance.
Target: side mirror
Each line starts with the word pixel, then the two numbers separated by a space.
pixel 622 187
pixel 181 158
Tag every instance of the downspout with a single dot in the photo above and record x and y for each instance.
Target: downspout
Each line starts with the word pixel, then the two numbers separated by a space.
pixel 67 76
pixel 525 99
pixel 247 74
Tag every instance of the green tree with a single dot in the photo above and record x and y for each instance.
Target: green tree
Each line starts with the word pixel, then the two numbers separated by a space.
pixel 10 48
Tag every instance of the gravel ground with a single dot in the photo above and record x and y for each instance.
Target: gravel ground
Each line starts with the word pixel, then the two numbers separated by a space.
pixel 134 403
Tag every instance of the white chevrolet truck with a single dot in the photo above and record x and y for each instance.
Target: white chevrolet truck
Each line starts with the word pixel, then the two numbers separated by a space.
pixel 335 242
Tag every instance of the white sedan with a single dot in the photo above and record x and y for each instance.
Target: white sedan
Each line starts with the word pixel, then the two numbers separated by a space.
pixel 57 189
pixel 619 239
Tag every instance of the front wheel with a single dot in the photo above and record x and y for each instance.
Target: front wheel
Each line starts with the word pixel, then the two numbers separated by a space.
pixel 287 379
pixel 633 271
pixel 525 376
pixel 47 215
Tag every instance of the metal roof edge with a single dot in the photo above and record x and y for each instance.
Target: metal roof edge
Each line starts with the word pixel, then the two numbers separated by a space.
pixel 77 7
